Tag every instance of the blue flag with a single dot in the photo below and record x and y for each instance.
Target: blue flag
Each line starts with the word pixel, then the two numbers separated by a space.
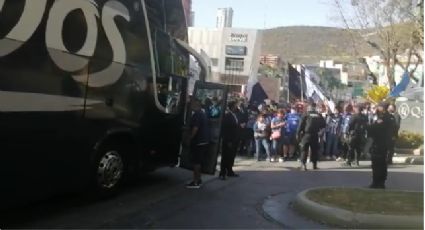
pixel 402 85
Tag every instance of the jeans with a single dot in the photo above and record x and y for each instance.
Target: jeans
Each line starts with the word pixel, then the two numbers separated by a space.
pixel 262 142
pixel 332 144
pixel 277 147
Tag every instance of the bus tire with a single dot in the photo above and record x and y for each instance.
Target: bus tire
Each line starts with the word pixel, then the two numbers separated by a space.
pixel 109 170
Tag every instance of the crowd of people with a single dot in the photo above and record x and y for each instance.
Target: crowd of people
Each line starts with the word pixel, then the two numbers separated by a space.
pixel 294 131
pixel 348 133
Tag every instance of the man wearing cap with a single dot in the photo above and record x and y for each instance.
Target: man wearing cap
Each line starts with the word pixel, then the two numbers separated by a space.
pixel 380 132
pixel 311 125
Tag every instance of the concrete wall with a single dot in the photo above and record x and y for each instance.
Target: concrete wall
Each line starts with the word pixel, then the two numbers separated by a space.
pixel 412 116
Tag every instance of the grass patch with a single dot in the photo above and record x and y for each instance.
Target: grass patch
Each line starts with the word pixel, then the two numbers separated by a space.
pixel 370 201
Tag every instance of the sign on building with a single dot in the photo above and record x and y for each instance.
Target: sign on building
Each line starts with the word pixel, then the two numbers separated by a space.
pixel 236 37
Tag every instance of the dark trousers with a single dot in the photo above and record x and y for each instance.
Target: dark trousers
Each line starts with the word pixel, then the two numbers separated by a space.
pixel 355 150
pixel 245 141
pixel 228 155
pixel 312 143
pixel 391 146
pixel 344 148
pixel 379 169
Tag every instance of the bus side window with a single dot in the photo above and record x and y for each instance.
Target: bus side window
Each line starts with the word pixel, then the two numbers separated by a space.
pixel 172 69
pixel 170 94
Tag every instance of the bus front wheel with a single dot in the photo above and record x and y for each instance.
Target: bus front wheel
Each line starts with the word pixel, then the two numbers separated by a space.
pixel 109 169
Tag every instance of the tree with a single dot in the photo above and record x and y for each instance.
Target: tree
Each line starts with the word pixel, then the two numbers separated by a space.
pixel 269 71
pixel 329 82
pixel 391 27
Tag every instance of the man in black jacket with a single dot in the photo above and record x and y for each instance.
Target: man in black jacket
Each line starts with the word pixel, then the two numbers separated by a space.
pixel 230 132
pixel 311 125
pixel 357 133
pixel 395 124
pixel 380 132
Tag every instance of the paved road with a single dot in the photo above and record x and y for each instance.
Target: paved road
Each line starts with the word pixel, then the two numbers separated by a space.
pixel 161 201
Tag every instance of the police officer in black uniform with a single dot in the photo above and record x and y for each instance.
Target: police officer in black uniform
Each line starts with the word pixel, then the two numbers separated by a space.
pixel 356 135
pixel 395 125
pixel 380 132
pixel 230 139
pixel 311 124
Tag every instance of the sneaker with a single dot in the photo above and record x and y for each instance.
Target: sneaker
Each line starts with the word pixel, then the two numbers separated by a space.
pixel 271 159
pixel 193 185
pixel 339 159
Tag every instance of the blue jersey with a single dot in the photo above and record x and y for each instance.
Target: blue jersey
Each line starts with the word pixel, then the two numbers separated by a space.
pixel 345 121
pixel 292 121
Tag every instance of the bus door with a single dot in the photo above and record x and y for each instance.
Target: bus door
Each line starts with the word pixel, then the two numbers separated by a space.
pixel 214 100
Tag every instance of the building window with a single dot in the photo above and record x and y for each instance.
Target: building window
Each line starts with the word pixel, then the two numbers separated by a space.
pixel 214 61
pixel 235 64
pixel 236 50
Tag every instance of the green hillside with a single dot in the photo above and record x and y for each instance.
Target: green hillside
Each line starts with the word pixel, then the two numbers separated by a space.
pixel 309 44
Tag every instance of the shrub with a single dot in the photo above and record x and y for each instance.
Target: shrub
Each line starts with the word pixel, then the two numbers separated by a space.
pixel 409 140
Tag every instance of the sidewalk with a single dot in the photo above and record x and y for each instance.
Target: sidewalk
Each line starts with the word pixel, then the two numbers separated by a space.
pixel 408 159
pixel 280 207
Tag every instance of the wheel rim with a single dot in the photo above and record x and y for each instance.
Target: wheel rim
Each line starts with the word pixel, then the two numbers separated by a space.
pixel 110 169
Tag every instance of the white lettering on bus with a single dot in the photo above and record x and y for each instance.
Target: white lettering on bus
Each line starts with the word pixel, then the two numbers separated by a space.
pixel 60 55
pixel 23 30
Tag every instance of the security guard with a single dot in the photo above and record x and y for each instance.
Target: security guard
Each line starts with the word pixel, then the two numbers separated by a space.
pixel 311 125
pixel 380 132
pixel 357 134
pixel 230 140
pixel 395 120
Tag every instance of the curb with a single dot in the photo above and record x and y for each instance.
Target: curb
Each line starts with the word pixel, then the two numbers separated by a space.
pixel 413 160
pixel 348 219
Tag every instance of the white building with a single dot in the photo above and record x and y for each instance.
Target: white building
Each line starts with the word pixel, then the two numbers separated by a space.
pixel 331 64
pixel 234 53
pixel 377 66
pixel 224 17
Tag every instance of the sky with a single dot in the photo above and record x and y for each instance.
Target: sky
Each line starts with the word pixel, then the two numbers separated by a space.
pixel 260 14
